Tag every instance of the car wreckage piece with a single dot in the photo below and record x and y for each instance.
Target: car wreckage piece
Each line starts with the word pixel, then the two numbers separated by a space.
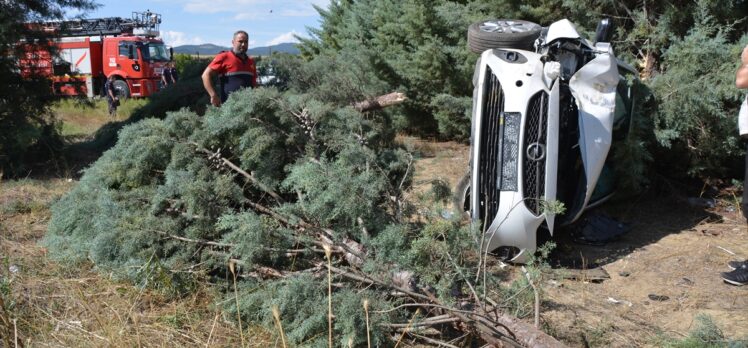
pixel 542 127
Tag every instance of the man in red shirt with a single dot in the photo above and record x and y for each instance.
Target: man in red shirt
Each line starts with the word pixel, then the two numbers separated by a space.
pixel 236 70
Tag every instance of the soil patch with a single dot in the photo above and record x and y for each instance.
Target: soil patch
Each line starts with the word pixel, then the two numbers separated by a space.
pixel 663 273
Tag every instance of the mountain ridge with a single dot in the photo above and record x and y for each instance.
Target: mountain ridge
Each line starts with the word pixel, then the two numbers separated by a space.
pixel 211 49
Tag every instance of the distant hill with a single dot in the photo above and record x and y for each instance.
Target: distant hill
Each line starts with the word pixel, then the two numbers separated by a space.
pixel 204 49
pixel 211 49
pixel 284 47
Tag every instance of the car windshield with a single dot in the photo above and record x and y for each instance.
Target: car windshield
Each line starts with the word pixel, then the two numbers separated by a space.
pixel 156 52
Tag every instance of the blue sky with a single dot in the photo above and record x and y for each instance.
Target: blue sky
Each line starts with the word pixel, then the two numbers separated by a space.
pixel 268 22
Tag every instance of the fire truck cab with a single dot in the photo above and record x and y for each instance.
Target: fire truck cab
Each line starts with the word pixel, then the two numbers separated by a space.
pixel 90 50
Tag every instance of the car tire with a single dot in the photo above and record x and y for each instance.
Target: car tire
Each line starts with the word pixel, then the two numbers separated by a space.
pixel 461 199
pixel 121 89
pixel 502 33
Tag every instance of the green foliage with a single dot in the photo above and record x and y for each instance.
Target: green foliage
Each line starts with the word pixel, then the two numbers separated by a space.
pixel 440 191
pixel 416 47
pixel 519 296
pixel 302 302
pixel 631 155
pixel 453 115
pixel 696 120
pixel 704 334
pixel 183 62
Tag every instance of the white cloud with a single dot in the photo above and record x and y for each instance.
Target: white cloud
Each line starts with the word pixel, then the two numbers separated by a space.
pixel 283 38
pixel 178 38
pixel 299 12
pixel 246 16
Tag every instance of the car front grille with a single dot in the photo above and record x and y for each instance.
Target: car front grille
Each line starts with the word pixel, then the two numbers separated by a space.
pixel 534 145
pixel 499 149
pixel 493 105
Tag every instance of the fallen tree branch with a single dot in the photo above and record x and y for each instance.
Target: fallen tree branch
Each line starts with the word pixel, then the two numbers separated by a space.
pixel 485 325
pixel 437 320
pixel 432 340
pixel 499 330
pixel 249 177
pixel 194 241
pixel 380 102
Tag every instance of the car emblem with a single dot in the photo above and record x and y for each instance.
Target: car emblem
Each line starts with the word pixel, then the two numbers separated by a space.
pixel 536 152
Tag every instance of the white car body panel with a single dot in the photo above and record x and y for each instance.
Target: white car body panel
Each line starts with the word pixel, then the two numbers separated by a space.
pixel 551 144
pixel 564 29
pixel 594 87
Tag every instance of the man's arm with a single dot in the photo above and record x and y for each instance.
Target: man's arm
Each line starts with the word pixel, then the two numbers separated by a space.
pixel 208 75
pixel 741 76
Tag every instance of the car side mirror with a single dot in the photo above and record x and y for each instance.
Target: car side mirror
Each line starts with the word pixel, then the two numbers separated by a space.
pixel 130 52
pixel 604 30
pixel 171 54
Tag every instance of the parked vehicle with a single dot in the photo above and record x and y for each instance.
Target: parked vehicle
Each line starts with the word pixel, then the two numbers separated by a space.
pixel 90 50
pixel 547 105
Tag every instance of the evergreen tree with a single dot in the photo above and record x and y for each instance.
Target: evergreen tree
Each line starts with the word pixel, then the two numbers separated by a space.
pixel 418 47
pixel 25 121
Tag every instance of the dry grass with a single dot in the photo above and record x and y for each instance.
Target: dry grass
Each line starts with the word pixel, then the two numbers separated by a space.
pixel 53 304
pixel 446 161
pixel 81 118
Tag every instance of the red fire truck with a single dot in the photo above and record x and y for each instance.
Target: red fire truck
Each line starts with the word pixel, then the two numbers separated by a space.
pixel 90 50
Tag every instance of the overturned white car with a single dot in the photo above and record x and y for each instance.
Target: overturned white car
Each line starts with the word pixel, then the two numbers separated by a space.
pixel 546 105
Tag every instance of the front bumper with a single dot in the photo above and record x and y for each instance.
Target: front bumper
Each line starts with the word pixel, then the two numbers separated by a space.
pixel 514 156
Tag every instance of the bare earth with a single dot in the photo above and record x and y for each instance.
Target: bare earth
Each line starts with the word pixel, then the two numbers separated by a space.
pixel 673 252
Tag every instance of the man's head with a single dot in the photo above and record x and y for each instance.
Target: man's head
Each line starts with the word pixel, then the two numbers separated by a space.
pixel 240 42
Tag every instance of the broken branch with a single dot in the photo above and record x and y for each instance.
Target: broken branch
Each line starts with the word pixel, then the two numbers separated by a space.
pixel 380 102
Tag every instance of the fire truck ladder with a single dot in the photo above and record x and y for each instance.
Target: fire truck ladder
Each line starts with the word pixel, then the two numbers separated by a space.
pixel 146 23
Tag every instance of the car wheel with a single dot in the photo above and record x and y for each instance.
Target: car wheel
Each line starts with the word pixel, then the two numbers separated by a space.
pixel 121 89
pixel 502 33
pixel 461 199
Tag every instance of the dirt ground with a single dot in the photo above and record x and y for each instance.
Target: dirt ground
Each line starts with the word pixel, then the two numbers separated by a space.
pixel 662 274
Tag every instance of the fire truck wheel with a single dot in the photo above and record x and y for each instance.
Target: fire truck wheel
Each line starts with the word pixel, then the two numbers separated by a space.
pixel 502 33
pixel 121 88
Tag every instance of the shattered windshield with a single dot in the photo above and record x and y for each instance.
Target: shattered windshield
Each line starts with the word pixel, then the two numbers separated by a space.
pixel 156 52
